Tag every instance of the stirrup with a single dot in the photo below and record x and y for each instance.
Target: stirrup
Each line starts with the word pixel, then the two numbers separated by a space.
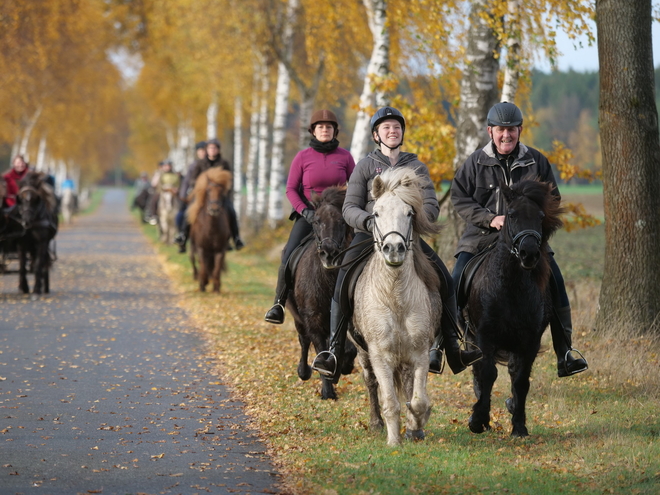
pixel 442 361
pixel 271 320
pixel 467 343
pixel 571 373
pixel 323 371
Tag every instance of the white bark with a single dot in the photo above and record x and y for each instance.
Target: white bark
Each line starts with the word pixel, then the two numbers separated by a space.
pixel 479 89
pixel 262 163
pixel 238 153
pixel 212 119
pixel 378 68
pixel 251 169
pixel 40 165
pixel 308 95
pixel 279 119
pixel 512 69
pixel 27 132
pixel 181 145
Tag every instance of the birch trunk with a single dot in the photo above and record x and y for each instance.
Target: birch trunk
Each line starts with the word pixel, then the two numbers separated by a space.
pixel 307 96
pixel 212 119
pixel 378 68
pixel 262 163
pixel 513 44
pixel 27 132
pixel 238 153
pixel 41 156
pixel 479 92
pixel 251 170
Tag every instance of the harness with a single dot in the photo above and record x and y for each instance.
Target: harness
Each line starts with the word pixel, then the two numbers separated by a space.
pixel 379 238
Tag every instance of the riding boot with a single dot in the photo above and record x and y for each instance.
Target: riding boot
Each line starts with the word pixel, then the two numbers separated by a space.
pixel 328 363
pixel 562 330
pixel 447 339
pixel 276 313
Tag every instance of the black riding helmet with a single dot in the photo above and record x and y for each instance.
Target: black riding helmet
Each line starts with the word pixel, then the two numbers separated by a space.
pixel 504 114
pixel 384 114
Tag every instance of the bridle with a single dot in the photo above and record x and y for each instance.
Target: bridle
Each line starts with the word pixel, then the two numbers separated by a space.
pixel 520 237
pixel 210 203
pixel 379 237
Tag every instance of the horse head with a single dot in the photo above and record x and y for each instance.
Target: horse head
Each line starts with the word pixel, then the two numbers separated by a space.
pixel 211 187
pixel 398 213
pixel 532 216
pixel 330 230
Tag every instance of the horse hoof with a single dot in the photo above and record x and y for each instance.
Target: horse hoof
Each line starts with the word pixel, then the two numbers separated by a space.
pixel 304 372
pixel 520 432
pixel 416 435
pixel 510 405
pixel 476 427
pixel 329 395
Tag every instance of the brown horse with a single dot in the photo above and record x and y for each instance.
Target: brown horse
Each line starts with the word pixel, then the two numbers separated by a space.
pixel 314 283
pixel 37 210
pixel 209 226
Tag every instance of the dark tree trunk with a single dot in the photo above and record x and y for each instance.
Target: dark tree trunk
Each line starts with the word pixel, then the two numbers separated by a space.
pixel 630 294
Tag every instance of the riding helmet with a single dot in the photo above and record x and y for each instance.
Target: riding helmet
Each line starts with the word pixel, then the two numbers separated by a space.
pixel 213 141
pixel 323 116
pixel 384 114
pixel 504 114
pixel 200 145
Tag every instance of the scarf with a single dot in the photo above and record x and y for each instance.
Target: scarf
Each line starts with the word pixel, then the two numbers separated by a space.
pixel 328 147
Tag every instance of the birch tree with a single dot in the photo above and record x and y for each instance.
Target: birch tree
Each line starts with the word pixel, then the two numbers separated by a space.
pixel 631 152
pixel 238 153
pixel 512 67
pixel 377 70
pixel 253 147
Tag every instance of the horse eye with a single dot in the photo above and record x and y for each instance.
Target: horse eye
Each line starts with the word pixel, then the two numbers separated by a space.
pixel 375 214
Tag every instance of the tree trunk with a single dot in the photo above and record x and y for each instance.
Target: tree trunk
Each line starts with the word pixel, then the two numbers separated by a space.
pixel 40 166
pixel 479 92
pixel 307 98
pixel 212 119
pixel 27 132
pixel 378 68
pixel 512 69
pixel 630 293
pixel 238 153
pixel 262 163
pixel 279 119
pixel 251 170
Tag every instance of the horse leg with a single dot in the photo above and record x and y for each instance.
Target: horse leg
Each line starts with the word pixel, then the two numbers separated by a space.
pixel 193 260
pixel 204 266
pixel 419 408
pixel 520 369
pixel 375 419
pixel 485 374
pixel 39 264
pixel 304 369
pixel 391 407
pixel 22 270
pixel 217 266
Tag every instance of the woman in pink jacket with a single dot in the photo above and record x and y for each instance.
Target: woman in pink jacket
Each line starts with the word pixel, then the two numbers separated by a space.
pixel 314 169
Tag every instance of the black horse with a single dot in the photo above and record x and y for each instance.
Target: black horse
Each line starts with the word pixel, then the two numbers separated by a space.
pixel 314 283
pixel 37 212
pixel 509 304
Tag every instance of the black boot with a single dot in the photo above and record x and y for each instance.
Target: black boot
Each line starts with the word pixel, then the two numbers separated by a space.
pixel 181 239
pixel 561 328
pixel 328 363
pixel 276 313
pixel 457 359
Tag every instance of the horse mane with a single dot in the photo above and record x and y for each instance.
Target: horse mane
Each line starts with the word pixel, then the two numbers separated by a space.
pixel 333 196
pixel 407 184
pixel 541 194
pixel 37 181
pixel 197 197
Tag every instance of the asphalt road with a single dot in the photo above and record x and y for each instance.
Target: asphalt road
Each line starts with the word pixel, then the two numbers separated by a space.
pixel 104 385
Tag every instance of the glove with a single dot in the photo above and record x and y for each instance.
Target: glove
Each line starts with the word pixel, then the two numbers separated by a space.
pixel 369 224
pixel 308 214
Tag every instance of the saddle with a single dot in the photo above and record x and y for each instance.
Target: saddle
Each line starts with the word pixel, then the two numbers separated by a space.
pixel 295 257
pixel 464 283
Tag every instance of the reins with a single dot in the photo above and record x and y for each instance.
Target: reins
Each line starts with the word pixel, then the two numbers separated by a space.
pixel 380 239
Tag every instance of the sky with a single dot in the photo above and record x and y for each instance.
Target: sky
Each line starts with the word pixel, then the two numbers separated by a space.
pixel 585 58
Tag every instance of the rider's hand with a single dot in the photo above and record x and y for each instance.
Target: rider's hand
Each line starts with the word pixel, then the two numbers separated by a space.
pixel 497 222
pixel 369 224
pixel 308 215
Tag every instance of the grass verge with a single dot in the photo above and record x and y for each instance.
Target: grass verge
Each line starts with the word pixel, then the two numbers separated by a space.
pixel 592 433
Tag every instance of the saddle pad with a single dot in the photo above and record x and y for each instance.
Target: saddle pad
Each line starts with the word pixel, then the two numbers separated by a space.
pixel 295 257
pixel 347 291
pixel 464 283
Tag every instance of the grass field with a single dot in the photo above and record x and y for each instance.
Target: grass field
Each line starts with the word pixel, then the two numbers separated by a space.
pixel 593 433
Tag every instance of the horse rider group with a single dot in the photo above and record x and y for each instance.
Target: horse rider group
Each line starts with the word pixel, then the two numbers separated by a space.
pixel 207 155
pixel 475 194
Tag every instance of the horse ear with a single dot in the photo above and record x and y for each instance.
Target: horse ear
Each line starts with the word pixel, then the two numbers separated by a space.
pixel 377 187
pixel 507 192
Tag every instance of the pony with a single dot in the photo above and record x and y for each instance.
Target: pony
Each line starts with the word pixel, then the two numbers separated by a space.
pixel 68 204
pixel 397 307
pixel 168 205
pixel 509 302
pixel 37 210
pixel 314 281
pixel 209 226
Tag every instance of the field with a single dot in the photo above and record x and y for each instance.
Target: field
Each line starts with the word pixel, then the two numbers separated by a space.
pixel 596 432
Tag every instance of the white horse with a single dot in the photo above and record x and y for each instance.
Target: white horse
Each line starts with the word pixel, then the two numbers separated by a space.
pixel 68 205
pixel 168 204
pixel 397 307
